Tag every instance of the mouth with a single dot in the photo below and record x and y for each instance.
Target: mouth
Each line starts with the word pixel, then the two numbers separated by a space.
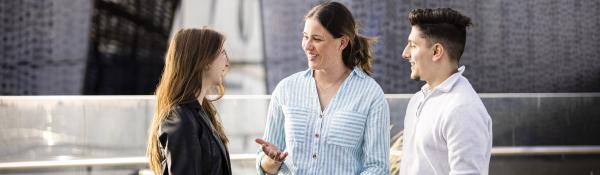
pixel 311 56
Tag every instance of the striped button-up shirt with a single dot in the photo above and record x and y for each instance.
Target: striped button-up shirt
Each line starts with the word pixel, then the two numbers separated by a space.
pixel 350 136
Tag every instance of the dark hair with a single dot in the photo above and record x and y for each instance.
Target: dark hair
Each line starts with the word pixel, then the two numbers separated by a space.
pixel 442 25
pixel 338 21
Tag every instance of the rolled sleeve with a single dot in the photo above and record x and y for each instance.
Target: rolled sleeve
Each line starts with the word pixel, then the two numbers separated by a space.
pixel 274 131
pixel 376 144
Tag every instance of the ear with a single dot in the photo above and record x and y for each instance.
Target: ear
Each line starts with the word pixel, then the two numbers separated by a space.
pixel 344 40
pixel 438 52
pixel 206 69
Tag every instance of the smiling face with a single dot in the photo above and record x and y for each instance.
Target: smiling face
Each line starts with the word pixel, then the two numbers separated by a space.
pixel 321 49
pixel 419 53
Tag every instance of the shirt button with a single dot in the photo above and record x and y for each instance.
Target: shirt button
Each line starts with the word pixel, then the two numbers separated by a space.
pixel 317 135
pixel 314 156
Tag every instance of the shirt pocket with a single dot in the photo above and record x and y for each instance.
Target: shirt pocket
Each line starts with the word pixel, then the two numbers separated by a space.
pixel 346 129
pixel 296 123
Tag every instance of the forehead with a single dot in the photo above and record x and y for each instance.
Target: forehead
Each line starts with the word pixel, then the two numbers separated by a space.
pixel 312 26
pixel 415 34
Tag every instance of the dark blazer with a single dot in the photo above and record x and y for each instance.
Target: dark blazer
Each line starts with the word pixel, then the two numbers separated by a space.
pixel 188 144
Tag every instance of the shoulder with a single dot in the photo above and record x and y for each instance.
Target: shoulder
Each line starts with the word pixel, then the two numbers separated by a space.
pixel 368 85
pixel 293 79
pixel 464 97
pixel 178 118
pixel 466 107
pixel 289 83
pixel 414 98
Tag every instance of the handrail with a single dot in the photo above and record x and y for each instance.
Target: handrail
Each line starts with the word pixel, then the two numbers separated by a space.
pixel 536 150
pixel 121 161
pixel 142 161
pixel 266 96
pixel 544 150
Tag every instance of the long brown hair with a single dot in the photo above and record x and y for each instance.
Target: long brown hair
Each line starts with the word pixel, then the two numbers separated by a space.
pixel 338 21
pixel 189 55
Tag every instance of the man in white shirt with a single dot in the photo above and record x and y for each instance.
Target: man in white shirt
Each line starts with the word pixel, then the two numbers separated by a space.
pixel 447 129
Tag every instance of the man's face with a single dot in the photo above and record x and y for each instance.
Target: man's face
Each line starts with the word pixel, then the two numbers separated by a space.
pixel 419 53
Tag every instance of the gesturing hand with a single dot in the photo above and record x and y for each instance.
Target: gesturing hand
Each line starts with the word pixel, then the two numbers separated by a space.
pixel 271 150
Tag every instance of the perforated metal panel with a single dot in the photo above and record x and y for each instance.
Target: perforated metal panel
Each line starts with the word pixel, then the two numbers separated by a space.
pixel 43 46
pixel 514 46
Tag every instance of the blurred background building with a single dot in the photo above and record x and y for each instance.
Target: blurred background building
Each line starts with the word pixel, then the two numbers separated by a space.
pixel 536 64
pixel 104 47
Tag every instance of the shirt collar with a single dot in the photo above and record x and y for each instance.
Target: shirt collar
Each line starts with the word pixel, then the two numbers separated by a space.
pixel 356 70
pixel 447 85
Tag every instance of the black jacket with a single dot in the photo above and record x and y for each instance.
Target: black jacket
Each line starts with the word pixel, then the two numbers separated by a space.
pixel 188 144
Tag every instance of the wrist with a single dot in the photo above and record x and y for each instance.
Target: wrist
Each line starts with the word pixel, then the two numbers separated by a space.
pixel 270 166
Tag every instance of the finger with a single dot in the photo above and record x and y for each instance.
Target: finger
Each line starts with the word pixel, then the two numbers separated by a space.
pixel 277 155
pixel 272 155
pixel 263 144
pixel 282 156
pixel 265 149
pixel 260 141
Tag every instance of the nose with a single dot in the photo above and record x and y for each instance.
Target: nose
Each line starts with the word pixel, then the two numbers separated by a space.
pixel 227 68
pixel 307 44
pixel 406 53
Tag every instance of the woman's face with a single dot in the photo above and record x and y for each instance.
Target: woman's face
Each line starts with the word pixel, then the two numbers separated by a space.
pixel 217 69
pixel 321 49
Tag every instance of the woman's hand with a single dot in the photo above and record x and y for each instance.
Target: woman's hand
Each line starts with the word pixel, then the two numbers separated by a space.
pixel 271 150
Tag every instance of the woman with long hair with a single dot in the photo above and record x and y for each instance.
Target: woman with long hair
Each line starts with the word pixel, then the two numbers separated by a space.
pixel 186 135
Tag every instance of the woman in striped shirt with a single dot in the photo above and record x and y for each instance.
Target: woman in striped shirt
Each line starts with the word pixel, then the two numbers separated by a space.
pixel 331 118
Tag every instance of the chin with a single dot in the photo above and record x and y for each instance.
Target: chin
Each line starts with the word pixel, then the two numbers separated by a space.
pixel 415 77
pixel 312 66
pixel 217 82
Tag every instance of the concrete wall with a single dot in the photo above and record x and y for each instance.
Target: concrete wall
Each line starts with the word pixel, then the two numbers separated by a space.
pixel 54 128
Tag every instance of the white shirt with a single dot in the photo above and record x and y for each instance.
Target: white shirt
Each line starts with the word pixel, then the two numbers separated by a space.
pixel 447 130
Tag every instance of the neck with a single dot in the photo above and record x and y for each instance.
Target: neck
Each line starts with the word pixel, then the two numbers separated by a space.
pixel 331 75
pixel 441 75
pixel 203 92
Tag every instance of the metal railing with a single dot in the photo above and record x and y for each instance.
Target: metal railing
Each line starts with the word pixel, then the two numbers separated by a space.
pixel 142 161
pixel 121 161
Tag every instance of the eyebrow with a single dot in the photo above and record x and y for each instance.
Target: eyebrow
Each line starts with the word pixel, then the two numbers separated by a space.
pixel 304 33
pixel 226 55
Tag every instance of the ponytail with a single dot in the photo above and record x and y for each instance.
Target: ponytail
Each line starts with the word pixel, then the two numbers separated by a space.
pixel 359 53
